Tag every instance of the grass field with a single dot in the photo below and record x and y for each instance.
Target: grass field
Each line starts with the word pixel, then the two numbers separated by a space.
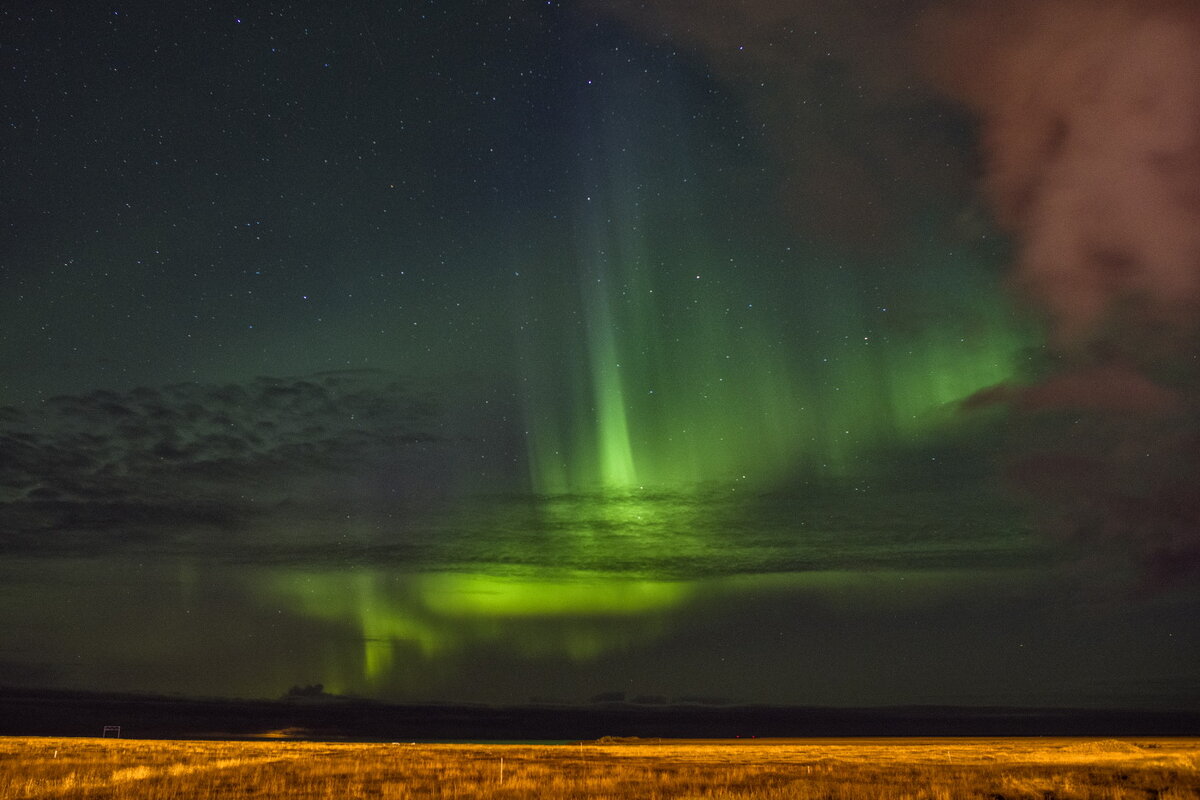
pixel 849 769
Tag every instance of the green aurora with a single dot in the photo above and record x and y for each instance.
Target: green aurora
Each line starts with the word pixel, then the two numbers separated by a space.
pixel 654 390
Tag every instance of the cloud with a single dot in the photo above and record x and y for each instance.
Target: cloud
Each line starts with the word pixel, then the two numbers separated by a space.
pixel 155 461
pixel 1091 134
pixel 1110 388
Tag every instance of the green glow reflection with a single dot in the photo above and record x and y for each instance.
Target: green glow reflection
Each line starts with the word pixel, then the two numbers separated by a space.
pixel 415 628
pixel 437 615
pixel 484 595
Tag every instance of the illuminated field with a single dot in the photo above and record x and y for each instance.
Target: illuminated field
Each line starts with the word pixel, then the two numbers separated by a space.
pixel 1041 768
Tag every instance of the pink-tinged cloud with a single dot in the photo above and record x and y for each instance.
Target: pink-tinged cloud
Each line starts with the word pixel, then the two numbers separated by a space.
pixel 1090 115
pixel 1112 387
pixel 1106 387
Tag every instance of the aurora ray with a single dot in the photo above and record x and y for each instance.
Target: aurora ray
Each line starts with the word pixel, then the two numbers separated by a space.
pixel 659 358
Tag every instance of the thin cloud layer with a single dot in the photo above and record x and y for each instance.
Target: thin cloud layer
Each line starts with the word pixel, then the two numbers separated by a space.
pixel 193 456
pixel 354 468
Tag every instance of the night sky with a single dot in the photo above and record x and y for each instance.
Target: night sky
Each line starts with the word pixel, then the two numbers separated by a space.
pixel 692 350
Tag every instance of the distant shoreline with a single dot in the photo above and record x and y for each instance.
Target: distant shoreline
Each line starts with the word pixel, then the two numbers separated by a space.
pixel 40 712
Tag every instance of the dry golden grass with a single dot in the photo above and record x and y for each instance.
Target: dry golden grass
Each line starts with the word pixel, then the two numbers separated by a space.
pixel 802 769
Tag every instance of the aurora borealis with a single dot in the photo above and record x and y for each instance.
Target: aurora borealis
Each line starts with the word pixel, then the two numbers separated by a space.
pixel 506 351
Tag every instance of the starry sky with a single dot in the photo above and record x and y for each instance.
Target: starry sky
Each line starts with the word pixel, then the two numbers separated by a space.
pixel 698 351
